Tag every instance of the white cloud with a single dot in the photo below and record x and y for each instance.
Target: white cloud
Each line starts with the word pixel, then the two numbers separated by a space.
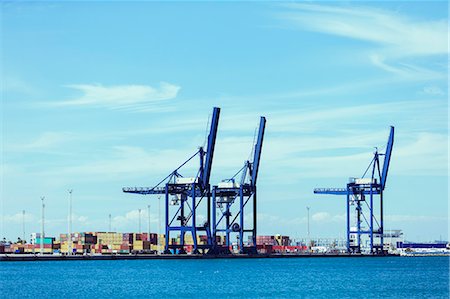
pixel 291 144
pixel 321 216
pixel 130 220
pixel 44 141
pixel 82 219
pixel 126 161
pixel 16 84
pixel 19 217
pixel 327 217
pixel 397 33
pixel 415 218
pixel 396 36
pixel 132 97
pixel 406 71
pixel 271 220
pixel 423 155
pixel 433 90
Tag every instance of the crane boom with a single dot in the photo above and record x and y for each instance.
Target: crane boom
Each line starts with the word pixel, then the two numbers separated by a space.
pixel 387 158
pixel 258 149
pixel 210 149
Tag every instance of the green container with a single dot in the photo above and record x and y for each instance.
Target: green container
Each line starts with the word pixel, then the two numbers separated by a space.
pixel 47 241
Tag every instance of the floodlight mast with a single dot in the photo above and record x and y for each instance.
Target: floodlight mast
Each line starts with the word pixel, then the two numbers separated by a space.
pixel 69 223
pixel 42 227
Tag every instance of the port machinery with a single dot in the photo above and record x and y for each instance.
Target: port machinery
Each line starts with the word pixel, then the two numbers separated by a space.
pixel 357 191
pixel 186 195
pixel 231 196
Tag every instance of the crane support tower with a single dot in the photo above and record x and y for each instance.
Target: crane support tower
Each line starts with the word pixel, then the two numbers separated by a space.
pixel 228 194
pixel 184 196
pixel 362 193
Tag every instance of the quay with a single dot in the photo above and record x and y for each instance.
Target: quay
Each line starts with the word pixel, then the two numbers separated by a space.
pixel 57 257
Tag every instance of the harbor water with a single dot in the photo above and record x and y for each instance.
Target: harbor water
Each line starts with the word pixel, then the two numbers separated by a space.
pixel 364 277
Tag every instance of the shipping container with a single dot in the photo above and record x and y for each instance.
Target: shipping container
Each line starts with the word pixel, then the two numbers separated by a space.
pixel 46 240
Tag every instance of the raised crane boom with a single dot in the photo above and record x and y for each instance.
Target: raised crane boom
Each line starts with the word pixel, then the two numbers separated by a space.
pixel 232 197
pixel 387 158
pixel 258 149
pixel 210 149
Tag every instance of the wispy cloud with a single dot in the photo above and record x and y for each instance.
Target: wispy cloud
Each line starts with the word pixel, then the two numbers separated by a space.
pixel 397 33
pixel 16 84
pixel 404 70
pixel 393 35
pixel 131 97
pixel 19 217
pixel 433 90
pixel 125 161
pixel 412 157
pixel 415 218
pixel 44 141
pixel 129 221
pixel 292 144
pixel 327 217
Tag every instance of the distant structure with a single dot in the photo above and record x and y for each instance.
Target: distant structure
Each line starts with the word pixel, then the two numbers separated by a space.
pixel 356 192
pixel 228 192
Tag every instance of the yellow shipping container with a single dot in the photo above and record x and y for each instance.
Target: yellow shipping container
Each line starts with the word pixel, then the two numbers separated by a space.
pixel 161 240
pixel 109 238
pixel 138 245
pixel 157 247
pixel 46 250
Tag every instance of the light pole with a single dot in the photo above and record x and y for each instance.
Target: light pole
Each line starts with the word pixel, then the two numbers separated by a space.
pixel 110 223
pixel 23 226
pixel 42 227
pixel 148 212
pixel 309 238
pixel 139 220
pixel 69 235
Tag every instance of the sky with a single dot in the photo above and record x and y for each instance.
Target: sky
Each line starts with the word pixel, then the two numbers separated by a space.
pixel 96 96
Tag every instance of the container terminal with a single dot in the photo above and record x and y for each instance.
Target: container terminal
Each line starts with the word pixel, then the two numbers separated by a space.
pixel 113 245
pixel 230 228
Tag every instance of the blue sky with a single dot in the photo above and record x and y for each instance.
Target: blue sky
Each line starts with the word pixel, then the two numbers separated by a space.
pixel 97 96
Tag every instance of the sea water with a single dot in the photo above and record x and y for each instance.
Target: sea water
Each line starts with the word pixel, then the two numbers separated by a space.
pixel 386 277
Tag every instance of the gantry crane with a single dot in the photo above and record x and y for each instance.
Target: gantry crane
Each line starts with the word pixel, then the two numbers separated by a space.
pixel 187 193
pixel 229 193
pixel 356 192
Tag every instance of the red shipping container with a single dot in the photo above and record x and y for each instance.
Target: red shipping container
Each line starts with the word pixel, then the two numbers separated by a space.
pixel 144 237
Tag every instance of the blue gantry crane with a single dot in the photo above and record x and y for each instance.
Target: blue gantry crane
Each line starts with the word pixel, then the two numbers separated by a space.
pixel 185 194
pixel 230 193
pixel 356 192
